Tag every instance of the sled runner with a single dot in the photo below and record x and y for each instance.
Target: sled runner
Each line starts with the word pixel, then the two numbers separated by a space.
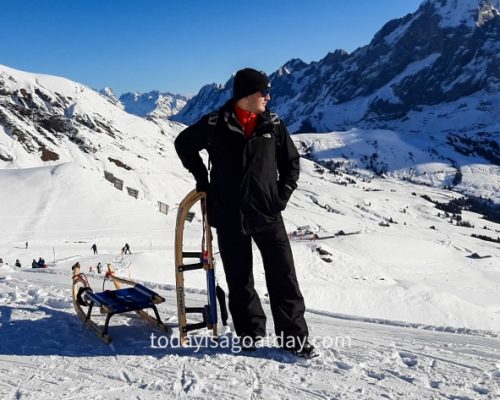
pixel 204 260
pixel 134 298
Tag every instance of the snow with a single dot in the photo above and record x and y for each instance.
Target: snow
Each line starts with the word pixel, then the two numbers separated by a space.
pixel 410 313
pixel 397 33
pixel 405 156
pixel 457 12
pixel 417 66
pixel 381 362
pixel 397 311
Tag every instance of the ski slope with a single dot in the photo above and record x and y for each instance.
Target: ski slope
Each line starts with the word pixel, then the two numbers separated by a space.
pixel 398 311
pixel 46 353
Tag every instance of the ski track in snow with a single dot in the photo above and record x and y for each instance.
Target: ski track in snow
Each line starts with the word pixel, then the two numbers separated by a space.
pixel 46 352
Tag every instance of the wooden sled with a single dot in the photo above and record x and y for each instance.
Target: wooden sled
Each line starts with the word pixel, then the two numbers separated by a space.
pixel 134 298
pixel 204 260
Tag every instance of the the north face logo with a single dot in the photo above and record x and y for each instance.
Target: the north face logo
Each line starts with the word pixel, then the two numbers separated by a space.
pixel 267 135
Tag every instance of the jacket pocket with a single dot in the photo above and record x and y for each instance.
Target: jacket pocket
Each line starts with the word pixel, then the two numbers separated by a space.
pixel 276 200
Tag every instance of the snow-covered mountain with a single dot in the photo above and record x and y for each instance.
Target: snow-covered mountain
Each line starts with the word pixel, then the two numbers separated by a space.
pixel 208 99
pixel 47 120
pixel 413 158
pixel 436 70
pixel 109 94
pixel 153 104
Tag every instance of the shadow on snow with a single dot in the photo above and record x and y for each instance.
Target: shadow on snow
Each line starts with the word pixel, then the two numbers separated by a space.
pixel 61 333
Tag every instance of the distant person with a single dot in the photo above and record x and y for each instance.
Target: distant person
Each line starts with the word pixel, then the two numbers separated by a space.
pixel 126 249
pixel 34 264
pixel 26 244
pixel 18 263
pixel 41 263
pixel 99 268
pixel 91 269
pixel 1 260
pixel 94 247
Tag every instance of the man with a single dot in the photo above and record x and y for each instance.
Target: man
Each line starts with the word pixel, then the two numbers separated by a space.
pixel 255 167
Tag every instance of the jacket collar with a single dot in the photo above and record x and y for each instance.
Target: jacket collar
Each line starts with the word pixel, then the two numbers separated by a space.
pixel 232 121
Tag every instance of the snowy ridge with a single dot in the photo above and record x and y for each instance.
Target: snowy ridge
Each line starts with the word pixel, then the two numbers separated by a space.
pixel 209 98
pixel 153 104
pixel 472 13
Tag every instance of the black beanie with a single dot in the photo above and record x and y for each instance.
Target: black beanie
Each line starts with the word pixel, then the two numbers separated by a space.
pixel 248 81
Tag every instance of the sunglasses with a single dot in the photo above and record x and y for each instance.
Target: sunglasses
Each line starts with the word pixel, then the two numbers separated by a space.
pixel 265 92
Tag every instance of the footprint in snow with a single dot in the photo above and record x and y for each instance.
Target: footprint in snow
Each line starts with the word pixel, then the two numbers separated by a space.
pixel 376 375
pixel 59 304
pixel 481 389
pixel 343 365
pixel 408 358
pixel 436 384
pixel 403 377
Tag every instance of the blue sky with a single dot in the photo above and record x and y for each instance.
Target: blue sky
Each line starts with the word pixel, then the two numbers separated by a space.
pixel 178 46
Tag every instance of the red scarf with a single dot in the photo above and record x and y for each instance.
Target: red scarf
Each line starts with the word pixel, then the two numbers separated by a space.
pixel 247 119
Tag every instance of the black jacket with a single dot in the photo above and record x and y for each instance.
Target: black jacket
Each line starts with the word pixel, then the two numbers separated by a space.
pixel 252 179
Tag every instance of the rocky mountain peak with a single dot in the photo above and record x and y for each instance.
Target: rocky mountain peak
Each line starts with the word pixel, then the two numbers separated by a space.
pixel 110 95
pixel 445 55
pixel 290 66
pixel 487 11
pixel 154 104
pixel 471 13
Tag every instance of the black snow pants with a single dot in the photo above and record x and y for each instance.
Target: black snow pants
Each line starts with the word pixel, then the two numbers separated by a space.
pixel 287 303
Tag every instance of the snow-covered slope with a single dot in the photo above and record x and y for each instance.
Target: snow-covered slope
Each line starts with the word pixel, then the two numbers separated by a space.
pixel 402 262
pixel 47 120
pixel 47 115
pixel 402 301
pixel 45 353
pixel 397 311
pixel 418 158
